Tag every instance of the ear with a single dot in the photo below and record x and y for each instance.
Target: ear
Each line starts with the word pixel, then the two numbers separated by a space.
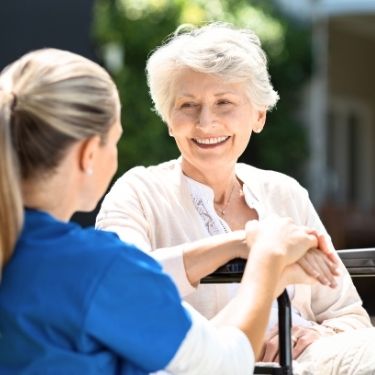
pixel 88 152
pixel 170 132
pixel 260 120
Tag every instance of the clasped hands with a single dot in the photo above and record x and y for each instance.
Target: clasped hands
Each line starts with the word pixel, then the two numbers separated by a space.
pixel 317 264
pixel 305 263
pixel 322 265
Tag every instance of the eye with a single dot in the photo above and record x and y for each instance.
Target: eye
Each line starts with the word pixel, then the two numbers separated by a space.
pixel 223 102
pixel 188 105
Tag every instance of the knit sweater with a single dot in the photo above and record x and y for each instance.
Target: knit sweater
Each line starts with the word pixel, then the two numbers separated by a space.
pixel 153 209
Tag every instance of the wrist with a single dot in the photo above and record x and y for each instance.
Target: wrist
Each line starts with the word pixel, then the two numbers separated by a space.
pixel 264 265
pixel 241 249
pixel 251 232
pixel 268 255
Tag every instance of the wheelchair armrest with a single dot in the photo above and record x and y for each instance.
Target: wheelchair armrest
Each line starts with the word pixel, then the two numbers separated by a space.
pixel 359 262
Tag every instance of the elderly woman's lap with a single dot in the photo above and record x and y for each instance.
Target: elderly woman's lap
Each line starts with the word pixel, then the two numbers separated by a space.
pixel 348 353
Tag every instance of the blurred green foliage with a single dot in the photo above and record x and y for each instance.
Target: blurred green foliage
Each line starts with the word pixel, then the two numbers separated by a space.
pixel 125 32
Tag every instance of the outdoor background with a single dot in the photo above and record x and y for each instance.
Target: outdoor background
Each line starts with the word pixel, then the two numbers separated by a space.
pixel 321 58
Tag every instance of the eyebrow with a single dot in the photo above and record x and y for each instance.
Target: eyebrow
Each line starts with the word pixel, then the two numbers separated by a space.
pixel 226 93
pixel 186 95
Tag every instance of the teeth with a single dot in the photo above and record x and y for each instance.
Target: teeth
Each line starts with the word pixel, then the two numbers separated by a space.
pixel 210 141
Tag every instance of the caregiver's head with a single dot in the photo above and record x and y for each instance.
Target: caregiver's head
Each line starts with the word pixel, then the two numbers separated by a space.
pixel 58 111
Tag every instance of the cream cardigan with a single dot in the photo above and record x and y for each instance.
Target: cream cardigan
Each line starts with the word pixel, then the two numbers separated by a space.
pixel 152 208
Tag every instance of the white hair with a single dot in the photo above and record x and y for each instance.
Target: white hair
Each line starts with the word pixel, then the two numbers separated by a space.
pixel 220 49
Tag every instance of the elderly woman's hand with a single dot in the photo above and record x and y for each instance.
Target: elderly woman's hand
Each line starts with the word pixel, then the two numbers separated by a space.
pixel 321 263
pixel 302 337
pixel 318 265
pixel 312 268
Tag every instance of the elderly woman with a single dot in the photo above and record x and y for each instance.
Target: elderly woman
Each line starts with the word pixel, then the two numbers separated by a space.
pixel 211 87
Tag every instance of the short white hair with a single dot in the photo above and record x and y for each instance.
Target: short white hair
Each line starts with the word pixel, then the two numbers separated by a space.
pixel 220 49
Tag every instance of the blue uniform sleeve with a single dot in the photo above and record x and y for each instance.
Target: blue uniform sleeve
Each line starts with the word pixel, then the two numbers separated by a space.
pixel 136 312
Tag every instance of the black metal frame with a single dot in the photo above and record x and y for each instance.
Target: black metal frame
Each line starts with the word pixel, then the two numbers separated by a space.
pixel 232 272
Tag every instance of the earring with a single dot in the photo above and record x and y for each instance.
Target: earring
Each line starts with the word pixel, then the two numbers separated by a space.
pixel 89 171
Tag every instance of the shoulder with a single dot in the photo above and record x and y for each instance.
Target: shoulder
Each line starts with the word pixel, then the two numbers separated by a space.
pixel 104 247
pixel 144 182
pixel 269 181
pixel 155 172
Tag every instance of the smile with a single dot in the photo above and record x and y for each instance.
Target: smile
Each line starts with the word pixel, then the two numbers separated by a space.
pixel 210 141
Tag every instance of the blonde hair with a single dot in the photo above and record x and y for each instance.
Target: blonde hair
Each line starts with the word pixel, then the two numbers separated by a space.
pixel 49 99
pixel 234 54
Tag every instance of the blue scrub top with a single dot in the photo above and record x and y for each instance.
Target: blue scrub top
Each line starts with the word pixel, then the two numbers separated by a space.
pixel 80 301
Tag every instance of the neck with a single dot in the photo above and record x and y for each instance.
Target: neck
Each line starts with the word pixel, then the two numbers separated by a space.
pixel 56 191
pixel 222 207
pixel 222 181
pixel 50 195
pixel 218 179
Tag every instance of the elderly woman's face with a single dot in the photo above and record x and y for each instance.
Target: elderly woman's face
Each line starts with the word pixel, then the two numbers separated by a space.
pixel 211 120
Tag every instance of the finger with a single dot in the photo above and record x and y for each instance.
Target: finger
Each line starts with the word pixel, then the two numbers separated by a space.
pixel 314 259
pixel 302 337
pixel 325 245
pixel 271 349
pixel 333 266
pixel 293 339
pixel 298 331
pixel 261 354
pixel 335 269
pixel 272 333
pixel 308 268
pixel 300 346
pixel 325 269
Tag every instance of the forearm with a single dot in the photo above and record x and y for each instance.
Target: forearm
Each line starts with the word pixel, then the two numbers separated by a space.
pixel 203 257
pixel 249 310
pixel 212 350
pixel 188 263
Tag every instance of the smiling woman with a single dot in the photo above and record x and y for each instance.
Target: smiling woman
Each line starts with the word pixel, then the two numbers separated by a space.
pixel 211 87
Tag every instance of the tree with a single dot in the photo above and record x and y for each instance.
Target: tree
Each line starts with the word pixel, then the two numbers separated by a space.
pixel 127 30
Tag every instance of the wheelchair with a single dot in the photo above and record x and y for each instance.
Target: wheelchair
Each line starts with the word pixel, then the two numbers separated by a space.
pixel 359 262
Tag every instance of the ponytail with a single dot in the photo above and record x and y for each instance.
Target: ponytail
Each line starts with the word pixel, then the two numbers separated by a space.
pixel 11 207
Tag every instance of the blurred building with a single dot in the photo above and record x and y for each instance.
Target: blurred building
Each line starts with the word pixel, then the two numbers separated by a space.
pixel 340 115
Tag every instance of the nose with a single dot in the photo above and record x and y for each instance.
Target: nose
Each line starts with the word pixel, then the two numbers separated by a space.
pixel 206 117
